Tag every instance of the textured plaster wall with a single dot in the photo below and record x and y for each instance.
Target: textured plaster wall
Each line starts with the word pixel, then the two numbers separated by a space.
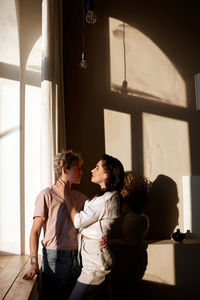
pixel 162 49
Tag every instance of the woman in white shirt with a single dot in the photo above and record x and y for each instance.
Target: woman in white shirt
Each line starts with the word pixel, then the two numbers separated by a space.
pixel 93 222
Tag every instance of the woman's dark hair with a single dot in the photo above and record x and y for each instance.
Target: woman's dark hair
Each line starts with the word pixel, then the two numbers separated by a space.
pixel 115 171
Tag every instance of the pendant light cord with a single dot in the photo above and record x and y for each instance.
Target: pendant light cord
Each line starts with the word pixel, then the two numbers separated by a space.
pixel 124 44
pixel 83 26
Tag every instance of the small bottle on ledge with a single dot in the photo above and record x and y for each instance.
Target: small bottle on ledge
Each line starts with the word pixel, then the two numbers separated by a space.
pixel 178 236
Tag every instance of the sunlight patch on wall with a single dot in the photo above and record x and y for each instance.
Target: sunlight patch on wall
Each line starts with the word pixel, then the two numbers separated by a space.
pixel 147 70
pixel 191 192
pixel 161 264
pixel 187 209
pixel 117 128
pixel 167 152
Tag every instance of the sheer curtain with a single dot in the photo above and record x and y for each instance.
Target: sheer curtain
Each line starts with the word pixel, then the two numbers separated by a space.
pixel 52 110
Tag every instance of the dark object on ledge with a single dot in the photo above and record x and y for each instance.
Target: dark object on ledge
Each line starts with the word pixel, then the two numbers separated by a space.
pixel 178 236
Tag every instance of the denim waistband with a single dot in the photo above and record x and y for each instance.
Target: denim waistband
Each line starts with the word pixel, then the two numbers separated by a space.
pixel 60 252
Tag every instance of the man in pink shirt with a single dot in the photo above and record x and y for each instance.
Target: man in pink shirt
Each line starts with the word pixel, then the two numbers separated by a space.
pixel 60 267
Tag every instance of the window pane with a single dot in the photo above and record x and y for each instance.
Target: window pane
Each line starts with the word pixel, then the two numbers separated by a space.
pixel 117 127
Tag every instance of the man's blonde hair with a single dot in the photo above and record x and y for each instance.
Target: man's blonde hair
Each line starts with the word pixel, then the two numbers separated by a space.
pixel 65 159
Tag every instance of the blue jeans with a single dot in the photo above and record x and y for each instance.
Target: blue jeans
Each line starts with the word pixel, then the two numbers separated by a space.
pixel 60 270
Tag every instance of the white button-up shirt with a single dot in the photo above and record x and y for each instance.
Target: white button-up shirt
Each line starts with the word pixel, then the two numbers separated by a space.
pixel 98 214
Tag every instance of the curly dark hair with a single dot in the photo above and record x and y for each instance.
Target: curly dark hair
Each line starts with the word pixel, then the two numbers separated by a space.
pixel 136 191
pixel 115 171
pixel 65 159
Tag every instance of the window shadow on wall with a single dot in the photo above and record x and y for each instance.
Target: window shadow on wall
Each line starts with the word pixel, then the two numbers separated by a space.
pixel 88 93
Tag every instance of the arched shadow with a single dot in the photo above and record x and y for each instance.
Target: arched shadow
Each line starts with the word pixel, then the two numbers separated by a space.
pixel 166 29
pixel 162 208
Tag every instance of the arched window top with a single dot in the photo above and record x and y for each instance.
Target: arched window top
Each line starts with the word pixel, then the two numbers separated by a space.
pixel 35 57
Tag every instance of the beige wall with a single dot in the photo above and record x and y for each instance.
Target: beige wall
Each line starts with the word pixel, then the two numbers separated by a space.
pixel 162 56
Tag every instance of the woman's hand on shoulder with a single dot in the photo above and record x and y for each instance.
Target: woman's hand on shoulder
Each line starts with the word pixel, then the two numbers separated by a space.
pixel 62 187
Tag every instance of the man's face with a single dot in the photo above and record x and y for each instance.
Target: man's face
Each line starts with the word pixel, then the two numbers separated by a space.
pixel 74 173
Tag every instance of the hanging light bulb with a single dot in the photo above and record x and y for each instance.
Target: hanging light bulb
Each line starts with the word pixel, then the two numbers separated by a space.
pixel 83 63
pixel 124 86
pixel 91 17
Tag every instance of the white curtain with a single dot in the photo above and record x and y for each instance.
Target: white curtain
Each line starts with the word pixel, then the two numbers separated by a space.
pixel 52 116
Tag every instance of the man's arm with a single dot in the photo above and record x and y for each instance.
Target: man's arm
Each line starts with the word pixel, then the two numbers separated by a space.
pixel 34 242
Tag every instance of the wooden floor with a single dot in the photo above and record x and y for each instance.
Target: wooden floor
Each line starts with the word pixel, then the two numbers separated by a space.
pixel 12 284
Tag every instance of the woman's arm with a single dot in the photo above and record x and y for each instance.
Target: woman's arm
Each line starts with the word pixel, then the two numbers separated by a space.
pixel 73 213
pixel 92 213
pixel 64 191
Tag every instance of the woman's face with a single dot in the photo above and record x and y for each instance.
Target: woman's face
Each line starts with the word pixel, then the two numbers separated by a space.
pixel 99 175
pixel 74 173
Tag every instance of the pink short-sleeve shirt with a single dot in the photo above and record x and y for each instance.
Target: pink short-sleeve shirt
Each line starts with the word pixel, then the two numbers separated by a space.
pixel 59 231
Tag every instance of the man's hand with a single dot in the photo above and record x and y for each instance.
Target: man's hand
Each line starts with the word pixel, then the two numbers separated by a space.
pixel 32 272
pixel 34 240
pixel 104 242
